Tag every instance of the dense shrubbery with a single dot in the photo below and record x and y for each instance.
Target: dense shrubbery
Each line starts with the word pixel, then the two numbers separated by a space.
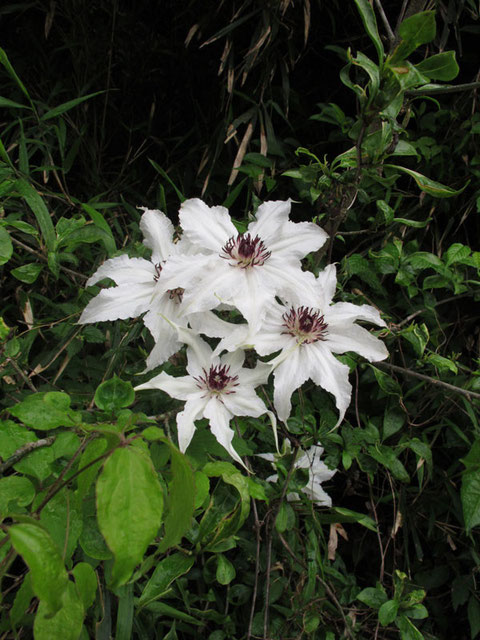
pixel 108 529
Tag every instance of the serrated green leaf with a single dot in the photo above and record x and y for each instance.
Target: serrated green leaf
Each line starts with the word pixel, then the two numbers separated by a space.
pixel 442 66
pixel 28 272
pixel 48 573
pixel 67 621
pixel 456 253
pixel 45 411
pixel 166 571
pixel 129 508
pixel 114 394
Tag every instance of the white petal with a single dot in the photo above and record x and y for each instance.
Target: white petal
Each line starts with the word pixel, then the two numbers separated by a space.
pixel 351 337
pixel 343 311
pixel 244 402
pixel 288 281
pixel 199 353
pixel 298 239
pixel 207 227
pixel 330 374
pixel 270 217
pixel 289 376
pixel 254 377
pixel 162 310
pixel 124 270
pixel 182 388
pixel 219 418
pixel 210 324
pixel 233 360
pixel 317 494
pixel 192 411
pixel 158 232
pixel 118 303
pixel 325 286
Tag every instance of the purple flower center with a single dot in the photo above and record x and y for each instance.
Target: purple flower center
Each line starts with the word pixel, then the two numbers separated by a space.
pixel 245 251
pixel 174 294
pixel 217 380
pixel 305 324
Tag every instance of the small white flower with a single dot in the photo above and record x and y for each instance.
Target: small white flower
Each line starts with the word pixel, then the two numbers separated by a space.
pixel 318 472
pixel 307 338
pixel 140 288
pixel 215 388
pixel 248 269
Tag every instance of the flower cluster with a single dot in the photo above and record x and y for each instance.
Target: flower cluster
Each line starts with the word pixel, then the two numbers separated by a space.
pixel 287 312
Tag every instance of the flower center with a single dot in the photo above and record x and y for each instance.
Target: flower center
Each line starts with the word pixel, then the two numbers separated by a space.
pixel 216 380
pixel 305 324
pixel 174 294
pixel 245 251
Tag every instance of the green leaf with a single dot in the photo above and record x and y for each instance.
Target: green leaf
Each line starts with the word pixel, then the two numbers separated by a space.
pixel 388 612
pixel 225 570
pixel 16 490
pixel 285 518
pixel 6 246
pixel 62 518
pixel 67 621
pixel 373 597
pixel 442 363
pixel 387 383
pixel 180 502
pixel 408 630
pixel 92 451
pixel 124 612
pixel 40 211
pixel 370 23
pixel 393 421
pixel 418 336
pixel 442 66
pixel 99 220
pixel 355 516
pixel 66 106
pixel 129 508
pixel 470 496
pixel 28 272
pixel 164 175
pixel 49 576
pixel 473 611
pixel 435 189
pixel 114 394
pixel 386 456
pixel 6 103
pixel 166 571
pixel 86 583
pixel 10 70
pixel 456 252
pixel 45 411
pixel 414 31
pixel 23 597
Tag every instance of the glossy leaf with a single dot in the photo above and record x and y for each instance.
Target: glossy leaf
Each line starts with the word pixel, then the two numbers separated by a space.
pixel 129 508
pixel 48 573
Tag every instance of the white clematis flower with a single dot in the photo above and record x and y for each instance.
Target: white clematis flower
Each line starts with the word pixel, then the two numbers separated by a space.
pixel 215 388
pixel 248 269
pixel 318 472
pixel 140 288
pixel 308 336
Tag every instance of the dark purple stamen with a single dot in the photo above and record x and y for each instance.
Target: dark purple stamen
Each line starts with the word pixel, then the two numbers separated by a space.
pixel 305 324
pixel 246 251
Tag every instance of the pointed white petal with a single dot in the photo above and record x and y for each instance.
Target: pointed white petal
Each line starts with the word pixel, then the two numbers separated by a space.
pixel 270 218
pixel 254 377
pixel 251 296
pixel 219 418
pixel 158 232
pixel 199 353
pixel 208 323
pixel 207 227
pixel 330 374
pixel 289 375
pixel 118 303
pixel 287 280
pixel 234 361
pixel 182 388
pixel 298 239
pixel 350 337
pixel 317 494
pixel 124 270
pixel 343 311
pixel 244 402
pixel 325 286
pixel 163 312
pixel 192 411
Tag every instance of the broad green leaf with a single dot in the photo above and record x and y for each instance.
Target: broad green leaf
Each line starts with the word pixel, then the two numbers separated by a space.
pixel 17 490
pixel 470 496
pixel 373 597
pixel 386 382
pixel 23 597
pixel 442 66
pixel 442 363
pixel 231 475
pixel 45 411
pixel 40 211
pixel 285 518
pixel 6 246
pixel 418 336
pixel 388 612
pixel 129 508
pixel 49 576
pixel 62 518
pixel 435 189
pixel 99 220
pixel 456 253
pixel 67 621
pixel 473 611
pixel 86 583
pixel 180 501
pixel 225 570
pixel 114 394
pixel 408 630
pixel 91 540
pixel 166 571
pixel 202 488
pixel 414 31
pixel 66 106
pixel 92 451
pixel 386 456
pixel 370 23
pixel 27 272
